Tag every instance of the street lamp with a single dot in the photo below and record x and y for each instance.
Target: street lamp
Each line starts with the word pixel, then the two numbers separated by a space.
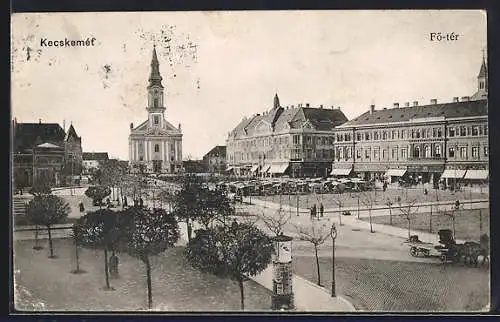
pixel 333 234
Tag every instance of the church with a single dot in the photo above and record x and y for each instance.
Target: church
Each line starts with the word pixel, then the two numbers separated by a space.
pixel 155 145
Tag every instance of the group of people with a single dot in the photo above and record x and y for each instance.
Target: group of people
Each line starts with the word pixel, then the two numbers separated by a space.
pixel 314 211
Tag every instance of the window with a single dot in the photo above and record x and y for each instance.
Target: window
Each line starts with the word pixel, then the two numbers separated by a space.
pixel 481 85
pixel 394 153
pixel 475 131
pixel 384 135
pixel 296 139
pixel 384 154
pixel 486 130
pixel 340 154
pixel 155 102
pixel 451 132
pixel 463 152
pixel 463 131
pixel 348 153
pixel 434 132
pixel 140 158
pixel 404 153
pixel 358 154
pixel 367 136
pixel 367 154
pixel 375 154
pixel 475 152
pixel 157 148
pixel 427 151
pixel 437 151
pixel 404 134
pixel 416 152
pixel 485 151
pixel 393 134
pixel 451 152
pixel 156 120
pixel 358 137
pixel 418 134
pixel 375 135
pixel 439 133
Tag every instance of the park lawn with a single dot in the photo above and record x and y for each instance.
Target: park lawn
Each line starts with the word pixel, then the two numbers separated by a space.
pixel 467 222
pixel 396 286
pixel 176 285
pixel 329 200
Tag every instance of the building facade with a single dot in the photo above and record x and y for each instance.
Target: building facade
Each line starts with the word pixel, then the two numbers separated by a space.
pixel 155 145
pixel 420 143
pixel 215 160
pixel 295 141
pixel 44 151
pixel 93 160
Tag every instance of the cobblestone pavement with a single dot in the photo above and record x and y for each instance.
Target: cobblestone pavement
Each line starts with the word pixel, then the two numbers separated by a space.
pixel 47 284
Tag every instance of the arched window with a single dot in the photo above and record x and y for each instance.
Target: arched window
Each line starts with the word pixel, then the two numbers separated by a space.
pixel 157 148
pixel 427 151
pixel 416 152
pixel 437 151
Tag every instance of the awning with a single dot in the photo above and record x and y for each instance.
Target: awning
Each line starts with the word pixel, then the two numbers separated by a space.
pixel 278 168
pixel 477 174
pixel 395 172
pixel 265 168
pixel 341 172
pixel 254 168
pixel 453 174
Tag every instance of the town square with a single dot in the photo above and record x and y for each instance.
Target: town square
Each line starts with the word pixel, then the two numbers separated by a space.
pixel 250 162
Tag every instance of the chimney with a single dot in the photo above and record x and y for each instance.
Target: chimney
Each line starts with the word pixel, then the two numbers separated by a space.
pixel 465 98
pixel 407 104
pixel 455 99
pixel 131 126
pixel 307 104
pixel 396 105
pixel 180 127
pixel 39 121
pixel 434 101
pixel 384 108
pixel 64 125
pixel 338 108
pixel 415 103
pixel 292 106
pixel 321 106
pixel 372 108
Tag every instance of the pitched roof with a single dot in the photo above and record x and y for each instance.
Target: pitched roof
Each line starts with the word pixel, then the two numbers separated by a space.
pixel 483 72
pixel 324 119
pixel 99 156
pixel 48 145
pixel 405 114
pixel 217 151
pixel 72 133
pixel 26 135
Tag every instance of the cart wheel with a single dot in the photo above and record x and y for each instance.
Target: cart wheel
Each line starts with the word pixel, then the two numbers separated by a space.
pixel 426 253
pixel 442 258
pixel 413 251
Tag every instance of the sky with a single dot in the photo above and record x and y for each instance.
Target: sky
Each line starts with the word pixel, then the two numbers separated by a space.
pixel 219 67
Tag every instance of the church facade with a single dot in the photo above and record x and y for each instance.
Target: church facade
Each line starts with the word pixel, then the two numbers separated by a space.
pixel 155 146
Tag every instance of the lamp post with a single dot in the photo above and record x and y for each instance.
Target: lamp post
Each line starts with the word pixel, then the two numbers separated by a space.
pixel 333 234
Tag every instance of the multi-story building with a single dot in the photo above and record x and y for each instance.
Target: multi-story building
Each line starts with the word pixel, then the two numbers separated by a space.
pixel 297 141
pixel 155 144
pixel 215 160
pixel 45 151
pixel 93 160
pixel 424 143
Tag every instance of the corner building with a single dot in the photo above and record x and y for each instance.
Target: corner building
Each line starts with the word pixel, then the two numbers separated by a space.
pixel 156 144
pixel 424 143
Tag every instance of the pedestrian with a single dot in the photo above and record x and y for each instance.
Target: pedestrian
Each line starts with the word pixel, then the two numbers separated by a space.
pixel 125 203
pixel 82 207
pixel 314 211
pixel 141 202
pixel 321 209
pixel 135 202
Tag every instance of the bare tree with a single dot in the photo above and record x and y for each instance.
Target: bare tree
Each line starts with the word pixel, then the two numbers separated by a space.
pixel 275 223
pixel 315 233
pixel 369 200
pixel 407 211
pixel 389 203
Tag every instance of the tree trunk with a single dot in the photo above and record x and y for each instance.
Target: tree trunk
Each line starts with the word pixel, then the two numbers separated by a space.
pixel 409 226
pixel 148 280
pixel 77 258
pixel 390 215
pixel 340 215
pixel 242 293
pixel 480 222
pixel 317 263
pixel 51 246
pixel 370 215
pixel 106 269
pixel 453 223
pixel 430 221
pixel 37 240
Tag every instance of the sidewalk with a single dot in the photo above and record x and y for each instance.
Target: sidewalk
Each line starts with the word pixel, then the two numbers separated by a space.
pixel 309 297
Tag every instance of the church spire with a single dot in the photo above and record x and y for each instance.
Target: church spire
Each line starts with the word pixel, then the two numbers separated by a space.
pixel 276 103
pixel 155 77
pixel 483 72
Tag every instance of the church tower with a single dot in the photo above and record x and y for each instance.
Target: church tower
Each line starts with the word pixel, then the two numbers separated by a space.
pixel 155 108
pixel 482 82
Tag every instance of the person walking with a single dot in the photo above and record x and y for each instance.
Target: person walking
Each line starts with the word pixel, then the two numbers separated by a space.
pixel 141 202
pixel 321 209
pixel 314 211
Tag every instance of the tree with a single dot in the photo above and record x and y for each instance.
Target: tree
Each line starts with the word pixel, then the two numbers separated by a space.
pixel 231 251
pixel 97 194
pixel 48 210
pixel 275 223
pixel 389 202
pixel 450 213
pixel 369 200
pixel 112 174
pixel 77 235
pixel 214 206
pixel 151 232
pixel 40 187
pixel 316 234
pixel 407 211
pixel 103 229
pixel 187 205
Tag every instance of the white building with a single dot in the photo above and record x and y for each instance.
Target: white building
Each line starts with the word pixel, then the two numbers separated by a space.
pixel 155 143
